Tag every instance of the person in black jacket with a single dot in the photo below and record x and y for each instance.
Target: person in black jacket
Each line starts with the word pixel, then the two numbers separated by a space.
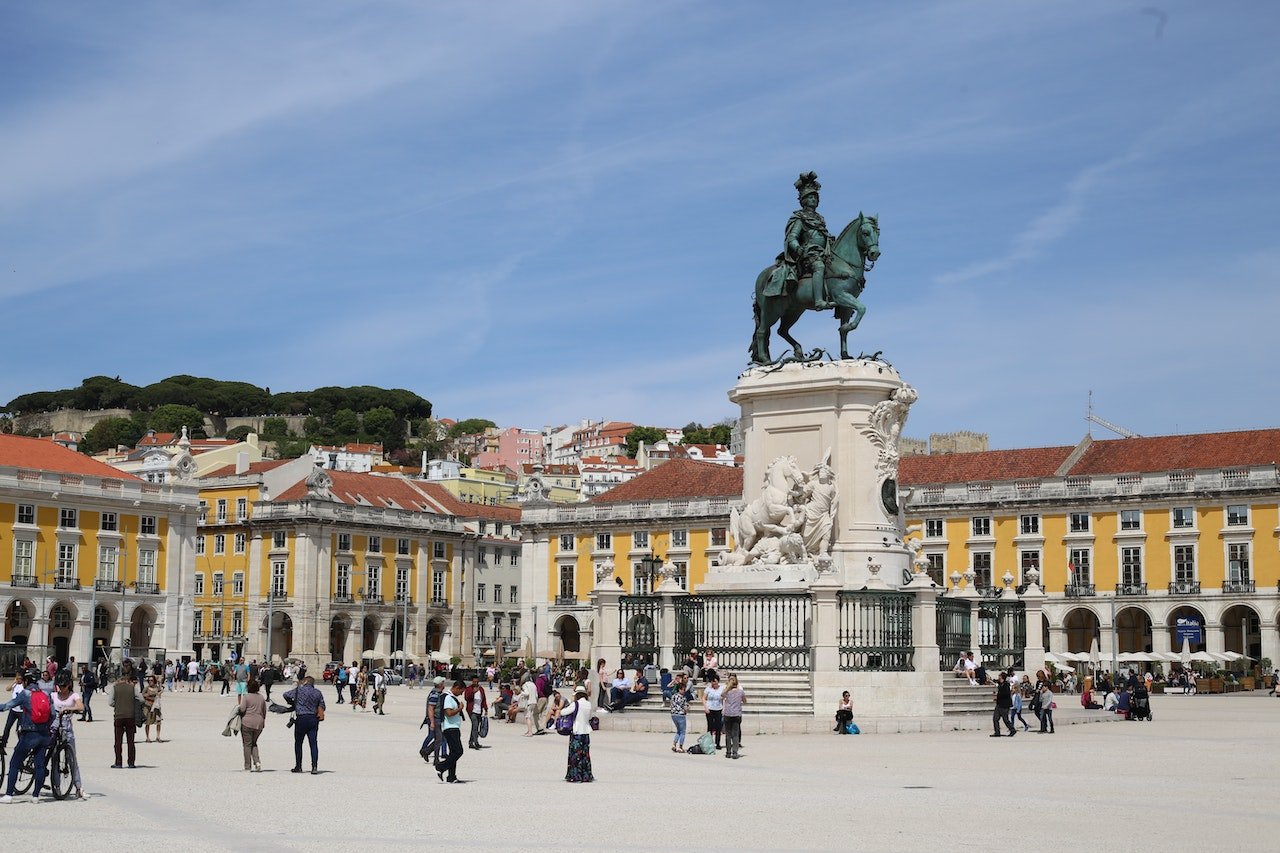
pixel 1004 707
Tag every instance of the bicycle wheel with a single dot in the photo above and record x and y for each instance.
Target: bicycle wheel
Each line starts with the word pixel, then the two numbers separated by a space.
pixel 62 764
pixel 26 774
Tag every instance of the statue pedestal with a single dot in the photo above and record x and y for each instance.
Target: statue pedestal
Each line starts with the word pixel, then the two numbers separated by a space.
pixel 759 578
pixel 856 410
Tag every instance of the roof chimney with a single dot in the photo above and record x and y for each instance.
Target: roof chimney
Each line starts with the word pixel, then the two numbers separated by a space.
pixel 242 462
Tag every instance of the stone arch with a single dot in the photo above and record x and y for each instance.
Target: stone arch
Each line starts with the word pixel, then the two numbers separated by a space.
pixel 18 618
pixel 339 630
pixel 570 634
pixel 1083 627
pixel 1242 630
pixel 281 635
pixel 62 623
pixel 1186 612
pixel 1134 631
pixel 397 636
pixel 142 623
pixel 436 629
pixel 103 630
pixel 369 633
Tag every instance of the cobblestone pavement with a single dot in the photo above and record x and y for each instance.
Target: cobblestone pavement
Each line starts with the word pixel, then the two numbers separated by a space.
pixel 1202 776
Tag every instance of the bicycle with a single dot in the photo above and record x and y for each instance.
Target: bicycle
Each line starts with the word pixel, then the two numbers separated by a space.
pixel 60 761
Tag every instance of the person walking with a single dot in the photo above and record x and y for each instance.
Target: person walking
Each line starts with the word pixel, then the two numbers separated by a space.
pixel 88 684
pixel 1016 712
pixel 529 703
pixel 713 705
pixel 121 697
pixel 308 705
pixel 1004 707
pixel 361 697
pixel 432 718
pixel 1046 709
pixel 252 708
pixel 477 702
pixel 35 713
pixel 340 682
pixel 579 769
pixel 451 728
pixel 680 696
pixel 379 691
pixel 65 703
pixel 353 675
pixel 266 678
pixel 151 708
pixel 734 699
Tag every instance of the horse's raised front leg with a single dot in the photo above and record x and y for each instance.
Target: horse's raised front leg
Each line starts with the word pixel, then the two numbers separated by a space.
pixel 851 304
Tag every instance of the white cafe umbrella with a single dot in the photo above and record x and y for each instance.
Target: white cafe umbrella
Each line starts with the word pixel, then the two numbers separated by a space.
pixel 399 654
pixel 1185 657
pixel 1204 657
pixel 1231 656
pixel 1095 656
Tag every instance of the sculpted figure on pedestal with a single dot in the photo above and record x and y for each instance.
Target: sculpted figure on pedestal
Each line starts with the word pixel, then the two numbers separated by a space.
pixel 791 522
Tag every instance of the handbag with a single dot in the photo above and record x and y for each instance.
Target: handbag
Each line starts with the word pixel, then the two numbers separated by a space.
pixel 595 724
pixel 484 727
pixel 139 712
pixel 852 729
pixel 564 725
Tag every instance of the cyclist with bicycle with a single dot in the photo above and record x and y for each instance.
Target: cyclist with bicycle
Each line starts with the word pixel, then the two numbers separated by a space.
pixel 33 734
pixel 65 703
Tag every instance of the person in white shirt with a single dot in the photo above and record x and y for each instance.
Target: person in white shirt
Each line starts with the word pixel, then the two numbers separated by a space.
pixel 193 675
pixel 579 769
pixel 353 675
pixel 713 706
pixel 529 702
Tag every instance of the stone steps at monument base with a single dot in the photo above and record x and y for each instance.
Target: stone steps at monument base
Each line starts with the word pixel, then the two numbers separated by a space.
pixel 959 697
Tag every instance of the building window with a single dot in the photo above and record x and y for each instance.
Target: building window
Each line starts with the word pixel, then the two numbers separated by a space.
pixel 278 586
pixel 437 586
pixel 242 509
pixel 641 581
pixel 497 593
pixel 102 619
pixel 202 514
pixel 222 510
pixel 1080 567
pixel 1238 515
pixel 374 575
pixel 26 514
pixel 1130 566
pixel 375 544
pixel 640 540
pixel 1238 563
pixel 937 568
pixel 215 622
pixel 480 592
pixel 566 543
pixel 604 541
pixel 513 596
pixel 1184 563
pixel 482 622
pixel 67 518
pixel 24 559
pixel 437 550
pixel 146 567
pixel 61 617
pixel 217 585
pixel 220 544
pixel 197 623
pixel 514 557
pixel 1079 522
pixel 110 522
pixel 66 562
pixel 344 541
pixel 982 526
pixel 147 525
pixel 566 583
pixel 1184 517
pixel 280 540
pixel 108 558
pixel 1028 560
pixel 199 544
pixel 237 583
pixel 933 528
pixel 199 583
pixel 682 573
pixel 483 556
pixel 513 631
pixel 982 569
pixel 719 537
pixel 239 543
pixel 342 587
pixel 1130 519
pixel 402 583
pixel 237 623
pixel 679 539
pixel 402 547
pixel 1029 524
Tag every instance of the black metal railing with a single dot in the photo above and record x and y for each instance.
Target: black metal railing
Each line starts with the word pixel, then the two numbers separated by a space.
pixel 24 581
pixel 1238 586
pixel 875 631
pixel 1131 589
pixel 747 631
pixel 988 591
pixel 955 630
pixel 1002 634
pixel 147 588
pixel 404 599
pixel 66 583
pixel 563 600
pixel 638 626
pixel 1184 588
pixel 1081 590
pixel 278 597
pixel 343 599
pixel 373 598
pixel 106 586
pixel 439 602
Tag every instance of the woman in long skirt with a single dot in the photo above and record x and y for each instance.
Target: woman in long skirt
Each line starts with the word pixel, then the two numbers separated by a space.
pixel 580 740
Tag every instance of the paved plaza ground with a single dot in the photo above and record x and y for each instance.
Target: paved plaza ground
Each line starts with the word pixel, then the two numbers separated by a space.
pixel 1202 776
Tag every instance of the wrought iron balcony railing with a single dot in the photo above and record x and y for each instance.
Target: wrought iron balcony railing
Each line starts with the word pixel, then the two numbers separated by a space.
pixel 1081 590
pixel 24 581
pixel 1131 589
pixel 66 583
pixel 102 585
pixel 563 600
pixel 1238 586
pixel 147 588
pixel 1184 588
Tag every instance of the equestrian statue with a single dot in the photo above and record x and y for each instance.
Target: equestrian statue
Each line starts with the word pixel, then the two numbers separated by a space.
pixel 815 272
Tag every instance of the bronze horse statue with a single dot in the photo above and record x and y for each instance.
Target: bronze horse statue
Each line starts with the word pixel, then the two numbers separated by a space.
pixel 849 257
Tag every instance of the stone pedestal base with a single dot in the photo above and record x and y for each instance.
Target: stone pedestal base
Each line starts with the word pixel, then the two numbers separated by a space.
pixel 879 694
pixel 781 578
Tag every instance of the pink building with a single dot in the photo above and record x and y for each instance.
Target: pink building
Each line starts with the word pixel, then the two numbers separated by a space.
pixel 510 448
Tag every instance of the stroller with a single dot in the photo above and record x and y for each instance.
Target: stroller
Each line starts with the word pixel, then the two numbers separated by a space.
pixel 1140 707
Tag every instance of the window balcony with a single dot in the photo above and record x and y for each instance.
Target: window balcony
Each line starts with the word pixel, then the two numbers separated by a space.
pixel 566 600
pixel 1236 587
pixel 66 583
pixel 147 588
pixel 343 599
pixel 438 602
pixel 25 581
pixel 278 596
pixel 1184 588
pixel 106 586
pixel 404 599
pixel 373 598
pixel 1130 589
pixel 1081 590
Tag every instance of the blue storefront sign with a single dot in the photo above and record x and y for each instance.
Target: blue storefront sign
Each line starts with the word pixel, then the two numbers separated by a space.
pixel 1187 628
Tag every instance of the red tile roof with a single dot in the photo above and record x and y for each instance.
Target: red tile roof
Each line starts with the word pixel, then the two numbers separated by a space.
pixel 40 454
pixel 679 478
pixel 553 470
pixel 254 468
pixel 400 493
pixel 159 438
pixel 1181 452
pixel 1026 464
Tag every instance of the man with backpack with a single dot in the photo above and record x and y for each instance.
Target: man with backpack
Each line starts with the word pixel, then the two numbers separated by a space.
pixel 36 714
pixel 433 743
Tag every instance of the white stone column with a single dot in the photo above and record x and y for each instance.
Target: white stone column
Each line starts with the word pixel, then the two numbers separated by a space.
pixel 828 681
pixel 1034 651
pixel 1057 639
pixel 1215 636
pixel 606 599
pixel 1271 643
pixel 924 624
pixel 670 592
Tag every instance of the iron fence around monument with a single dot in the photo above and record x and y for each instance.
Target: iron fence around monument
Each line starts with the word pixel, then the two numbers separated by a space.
pixel 1002 634
pixel 955 630
pixel 747 631
pixel 638 626
pixel 875 631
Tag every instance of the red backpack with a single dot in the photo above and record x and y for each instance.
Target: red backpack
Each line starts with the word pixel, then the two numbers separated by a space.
pixel 41 707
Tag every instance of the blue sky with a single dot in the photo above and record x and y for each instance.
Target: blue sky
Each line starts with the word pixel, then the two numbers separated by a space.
pixel 539 212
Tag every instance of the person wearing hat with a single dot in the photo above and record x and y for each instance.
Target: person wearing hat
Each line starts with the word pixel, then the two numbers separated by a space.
pixel 579 709
pixel 33 735
pixel 435 700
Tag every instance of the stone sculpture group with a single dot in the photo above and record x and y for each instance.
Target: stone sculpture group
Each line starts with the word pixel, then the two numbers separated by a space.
pixel 792 520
